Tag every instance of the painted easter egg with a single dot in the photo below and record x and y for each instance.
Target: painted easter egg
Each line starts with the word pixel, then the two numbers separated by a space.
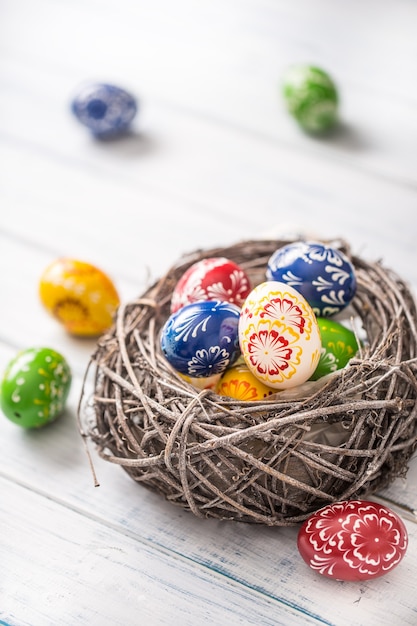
pixel 79 295
pixel 353 540
pixel 35 387
pixel 239 383
pixel 311 97
pixel 215 278
pixel 201 338
pixel 107 110
pixel 279 335
pixel 321 273
pixel 338 346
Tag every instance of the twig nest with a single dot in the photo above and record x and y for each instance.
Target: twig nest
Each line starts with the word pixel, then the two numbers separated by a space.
pixel 272 461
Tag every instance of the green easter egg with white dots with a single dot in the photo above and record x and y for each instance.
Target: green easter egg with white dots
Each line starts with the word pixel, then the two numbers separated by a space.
pixel 311 97
pixel 35 387
pixel 338 346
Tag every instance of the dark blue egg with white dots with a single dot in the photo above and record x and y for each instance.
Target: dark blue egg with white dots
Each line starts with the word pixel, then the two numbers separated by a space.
pixel 321 273
pixel 105 109
pixel 201 339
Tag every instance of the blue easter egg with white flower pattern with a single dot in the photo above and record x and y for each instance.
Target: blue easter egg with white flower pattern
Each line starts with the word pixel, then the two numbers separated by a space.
pixel 201 339
pixel 107 110
pixel 321 273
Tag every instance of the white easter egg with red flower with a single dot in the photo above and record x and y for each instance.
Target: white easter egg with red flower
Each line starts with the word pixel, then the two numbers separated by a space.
pixel 279 336
pixel 214 278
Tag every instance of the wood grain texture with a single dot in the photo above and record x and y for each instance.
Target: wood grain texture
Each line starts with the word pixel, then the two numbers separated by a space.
pixel 213 159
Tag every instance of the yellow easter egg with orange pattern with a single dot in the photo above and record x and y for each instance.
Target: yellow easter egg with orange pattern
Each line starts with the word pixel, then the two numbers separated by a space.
pixel 239 383
pixel 207 382
pixel 80 296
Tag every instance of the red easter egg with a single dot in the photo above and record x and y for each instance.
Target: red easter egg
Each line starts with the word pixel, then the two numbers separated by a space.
pixel 353 540
pixel 215 278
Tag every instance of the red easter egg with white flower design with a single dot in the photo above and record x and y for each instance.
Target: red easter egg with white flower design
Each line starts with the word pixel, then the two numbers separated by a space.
pixel 353 540
pixel 279 336
pixel 214 278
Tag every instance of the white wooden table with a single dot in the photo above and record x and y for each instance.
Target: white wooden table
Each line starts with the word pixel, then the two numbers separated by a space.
pixel 214 159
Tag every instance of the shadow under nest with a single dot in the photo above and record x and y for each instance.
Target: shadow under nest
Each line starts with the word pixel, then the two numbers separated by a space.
pixel 272 462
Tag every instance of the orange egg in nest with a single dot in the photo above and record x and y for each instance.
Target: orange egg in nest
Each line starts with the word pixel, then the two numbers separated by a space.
pixel 239 383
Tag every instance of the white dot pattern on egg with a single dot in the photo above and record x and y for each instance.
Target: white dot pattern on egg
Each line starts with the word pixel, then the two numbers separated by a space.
pixel 279 335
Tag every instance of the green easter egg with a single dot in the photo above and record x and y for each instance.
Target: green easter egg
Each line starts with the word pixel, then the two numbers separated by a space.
pixel 338 346
pixel 35 387
pixel 311 97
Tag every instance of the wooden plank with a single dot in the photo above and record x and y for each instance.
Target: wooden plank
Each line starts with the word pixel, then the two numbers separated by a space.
pixel 89 572
pixel 237 80
pixel 250 187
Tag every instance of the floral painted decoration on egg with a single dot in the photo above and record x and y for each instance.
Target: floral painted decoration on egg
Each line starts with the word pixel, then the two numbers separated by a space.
pixel 35 387
pixel 201 338
pixel 311 97
pixel 279 336
pixel 214 278
pixel 353 540
pixel 79 295
pixel 107 110
pixel 239 383
pixel 338 346
pixel 321 273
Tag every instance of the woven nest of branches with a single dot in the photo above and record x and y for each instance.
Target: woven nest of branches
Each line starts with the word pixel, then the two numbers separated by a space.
pixel 270 462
